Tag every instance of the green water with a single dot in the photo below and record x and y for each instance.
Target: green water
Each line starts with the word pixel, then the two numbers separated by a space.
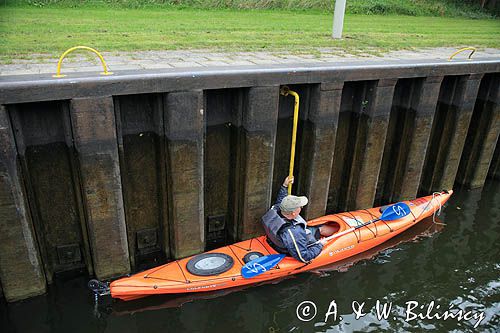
pixel 456 264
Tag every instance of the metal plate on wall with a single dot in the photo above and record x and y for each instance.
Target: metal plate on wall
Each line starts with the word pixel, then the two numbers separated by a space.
pixel 216 231
pixel 69 254
pixel 216 223
pixel 147 238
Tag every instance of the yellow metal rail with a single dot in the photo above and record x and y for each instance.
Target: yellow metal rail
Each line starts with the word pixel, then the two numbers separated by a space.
pixel 285 91
pixel 104 66
pixel 473 49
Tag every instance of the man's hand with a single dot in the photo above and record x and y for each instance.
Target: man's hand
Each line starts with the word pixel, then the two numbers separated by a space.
pixel 323 241
pixel 288 180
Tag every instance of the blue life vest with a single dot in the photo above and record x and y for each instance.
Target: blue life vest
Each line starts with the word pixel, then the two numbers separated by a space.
pixel 273 224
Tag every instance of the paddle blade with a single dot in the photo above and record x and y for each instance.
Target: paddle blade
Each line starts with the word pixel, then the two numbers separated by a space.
pixel 260 265
pixel 395 212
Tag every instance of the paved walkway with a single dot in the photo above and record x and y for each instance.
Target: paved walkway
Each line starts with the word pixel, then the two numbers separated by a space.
pixel 83 62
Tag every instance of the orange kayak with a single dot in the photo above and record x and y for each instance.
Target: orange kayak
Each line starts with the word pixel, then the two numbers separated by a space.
pixel 221 268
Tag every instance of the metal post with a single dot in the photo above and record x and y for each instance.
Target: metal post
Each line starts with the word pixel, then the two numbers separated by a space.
pixel 338 18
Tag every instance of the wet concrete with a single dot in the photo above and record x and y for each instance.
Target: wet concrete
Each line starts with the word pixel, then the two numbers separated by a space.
pixel 371 150
pixel 142 164
pixel 94 131
pixel 451 122
pixel 50 167
pixel 318 149
pixel 400 132
pixel 350 144
pixel 260 118
pixel 184 130
pixel 221 166
pixel 419 142
pixel 494 171
pixel 21 270
pixel 482 135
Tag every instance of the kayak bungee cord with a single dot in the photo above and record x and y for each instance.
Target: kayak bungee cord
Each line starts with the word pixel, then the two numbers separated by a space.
pixel 393 212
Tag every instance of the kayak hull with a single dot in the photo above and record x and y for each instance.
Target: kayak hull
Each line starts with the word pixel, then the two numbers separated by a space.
pixel 175 278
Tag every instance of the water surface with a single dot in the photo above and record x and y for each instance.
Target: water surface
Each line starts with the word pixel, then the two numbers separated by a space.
pixel 455 265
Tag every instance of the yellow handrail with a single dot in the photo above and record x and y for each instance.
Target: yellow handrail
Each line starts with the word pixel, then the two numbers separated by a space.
pixel 58 73
pixel 285 91
pixel 473 49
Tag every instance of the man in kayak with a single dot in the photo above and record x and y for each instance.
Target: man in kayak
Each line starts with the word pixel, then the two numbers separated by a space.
pixel 287 231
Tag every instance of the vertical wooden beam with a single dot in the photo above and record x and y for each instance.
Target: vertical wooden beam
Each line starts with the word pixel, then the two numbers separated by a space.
pixel 371 150
pixel 260 117
pixel 494 172
pixel 323 117
pixel 482 136
pixel 420 139
pixel 21 270
pixel 464 100
pixel 94 130
pixel 184 130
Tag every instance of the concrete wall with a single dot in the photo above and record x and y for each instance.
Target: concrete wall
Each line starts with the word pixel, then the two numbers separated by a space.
pixel 116 174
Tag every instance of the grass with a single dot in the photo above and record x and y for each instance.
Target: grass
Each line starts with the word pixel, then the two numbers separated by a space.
pixel 27 31
pixel 447 8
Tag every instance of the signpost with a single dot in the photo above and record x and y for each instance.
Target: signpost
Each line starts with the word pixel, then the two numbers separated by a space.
pixel 338 18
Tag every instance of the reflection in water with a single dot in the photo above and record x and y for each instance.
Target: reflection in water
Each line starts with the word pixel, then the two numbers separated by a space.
pixel 454 264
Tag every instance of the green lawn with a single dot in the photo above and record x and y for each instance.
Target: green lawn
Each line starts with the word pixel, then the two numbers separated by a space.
pixel 25 31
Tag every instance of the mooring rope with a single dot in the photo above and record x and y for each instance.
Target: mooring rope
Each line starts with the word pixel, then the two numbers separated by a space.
pixel 438 211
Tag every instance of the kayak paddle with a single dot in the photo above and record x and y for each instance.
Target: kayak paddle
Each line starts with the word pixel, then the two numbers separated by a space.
pixel 260 265
pixel 392 213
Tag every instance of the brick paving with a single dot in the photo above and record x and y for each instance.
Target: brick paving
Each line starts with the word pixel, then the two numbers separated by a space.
pixel 78 62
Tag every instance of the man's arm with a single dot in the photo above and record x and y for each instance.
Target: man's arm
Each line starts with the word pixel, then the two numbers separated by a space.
pixel 296 243
pixel 283 192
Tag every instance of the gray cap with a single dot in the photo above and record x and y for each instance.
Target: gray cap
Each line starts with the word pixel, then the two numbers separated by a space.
pixel 291 203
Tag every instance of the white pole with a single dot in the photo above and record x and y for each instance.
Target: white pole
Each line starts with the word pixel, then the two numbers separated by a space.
pixel 338 18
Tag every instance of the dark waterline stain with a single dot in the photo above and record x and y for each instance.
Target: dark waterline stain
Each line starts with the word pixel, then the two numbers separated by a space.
pixel 457 264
